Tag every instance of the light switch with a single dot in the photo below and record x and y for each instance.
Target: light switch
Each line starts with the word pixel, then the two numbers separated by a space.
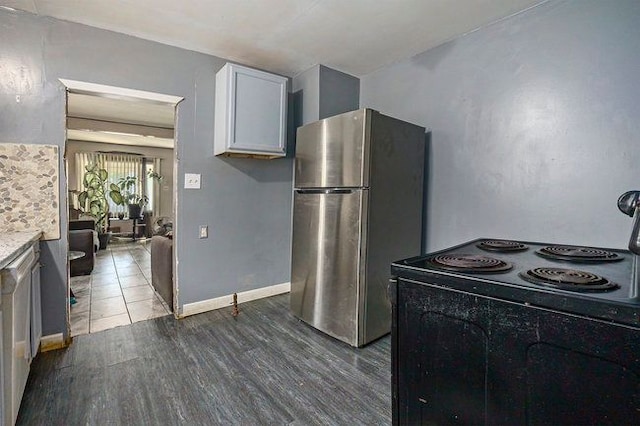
pixel 204 231
pixel 192 181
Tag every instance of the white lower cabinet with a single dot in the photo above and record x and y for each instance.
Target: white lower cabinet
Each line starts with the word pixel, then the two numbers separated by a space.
pixel 21 327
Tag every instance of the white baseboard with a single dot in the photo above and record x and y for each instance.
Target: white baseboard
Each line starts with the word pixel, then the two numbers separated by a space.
pixel 225 301
pixel 52 342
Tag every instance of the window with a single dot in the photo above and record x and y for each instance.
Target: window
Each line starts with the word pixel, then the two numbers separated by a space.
pixel 119 166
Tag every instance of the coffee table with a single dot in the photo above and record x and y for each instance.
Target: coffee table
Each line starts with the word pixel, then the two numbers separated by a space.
pixel 75 254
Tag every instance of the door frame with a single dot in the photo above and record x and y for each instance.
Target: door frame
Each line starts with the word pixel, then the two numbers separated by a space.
pixel 94 89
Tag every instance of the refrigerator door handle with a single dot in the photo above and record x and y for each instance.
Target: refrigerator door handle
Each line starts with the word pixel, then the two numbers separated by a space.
pixel 325 191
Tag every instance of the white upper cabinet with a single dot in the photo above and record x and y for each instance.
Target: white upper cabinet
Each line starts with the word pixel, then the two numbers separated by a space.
pixel 251 110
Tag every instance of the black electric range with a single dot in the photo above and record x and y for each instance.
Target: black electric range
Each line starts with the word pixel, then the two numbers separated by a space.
pixel 511 332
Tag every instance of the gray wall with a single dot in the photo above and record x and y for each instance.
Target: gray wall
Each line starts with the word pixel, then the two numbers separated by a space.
pixel 535 123
pixel 339 92
pixel 246 203
pixel 306 92
pixel 322 92
pixel 165 207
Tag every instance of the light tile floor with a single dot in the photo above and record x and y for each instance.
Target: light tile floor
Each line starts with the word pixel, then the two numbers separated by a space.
pixel 118 291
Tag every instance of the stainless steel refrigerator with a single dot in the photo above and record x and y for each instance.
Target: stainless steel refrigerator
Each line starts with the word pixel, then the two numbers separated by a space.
pixel 357 206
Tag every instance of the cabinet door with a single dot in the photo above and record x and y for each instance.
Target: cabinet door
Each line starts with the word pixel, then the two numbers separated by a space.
pixel 2 378
pixel 250 112
pixel 21 346
pixel 36 310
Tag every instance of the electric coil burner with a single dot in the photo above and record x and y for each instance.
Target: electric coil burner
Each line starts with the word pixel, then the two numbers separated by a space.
pixel 468 263
pixel 551 339
pixel 501 246
pixel 578 254
pixel 568 279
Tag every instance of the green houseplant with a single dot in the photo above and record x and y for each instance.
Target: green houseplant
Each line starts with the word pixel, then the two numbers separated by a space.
pixel 124 193
pixel 92 199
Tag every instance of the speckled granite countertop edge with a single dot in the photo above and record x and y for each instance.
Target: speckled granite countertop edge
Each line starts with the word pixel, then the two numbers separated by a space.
pixel 14 243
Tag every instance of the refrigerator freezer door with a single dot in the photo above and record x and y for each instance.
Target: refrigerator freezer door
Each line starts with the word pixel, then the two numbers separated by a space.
pixel 334 152
pixel 326 260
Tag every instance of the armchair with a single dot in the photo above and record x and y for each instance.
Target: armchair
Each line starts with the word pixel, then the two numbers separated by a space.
pixel 162 267
pixel 82 237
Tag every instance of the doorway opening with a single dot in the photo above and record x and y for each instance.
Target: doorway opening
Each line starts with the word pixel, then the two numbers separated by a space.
pixel 121 169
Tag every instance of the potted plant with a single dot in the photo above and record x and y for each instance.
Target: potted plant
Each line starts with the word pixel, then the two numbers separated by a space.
pixel 93 202
pixel 155 175
pixel 124 193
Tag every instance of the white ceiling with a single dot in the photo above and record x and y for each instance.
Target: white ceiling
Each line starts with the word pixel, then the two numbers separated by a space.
pixel 128 139
pixel 120 120
pixel 121 110
pixel 288 36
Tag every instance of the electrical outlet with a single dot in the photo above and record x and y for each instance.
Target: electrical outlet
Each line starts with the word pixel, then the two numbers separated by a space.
pixel 192 181
pixel 204 231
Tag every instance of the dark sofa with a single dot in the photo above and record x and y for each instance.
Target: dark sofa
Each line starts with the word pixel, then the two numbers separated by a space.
pixel 162 267
pixel 82 238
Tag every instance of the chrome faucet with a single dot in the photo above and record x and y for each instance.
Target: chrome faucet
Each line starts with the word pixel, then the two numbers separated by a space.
pixel 629 204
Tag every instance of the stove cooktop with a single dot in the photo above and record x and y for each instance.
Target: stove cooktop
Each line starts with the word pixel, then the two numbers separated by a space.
pixel 586 280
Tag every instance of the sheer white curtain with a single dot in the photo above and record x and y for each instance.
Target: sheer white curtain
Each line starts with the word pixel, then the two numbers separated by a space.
pixel 83 159
pixel 152 184
pixel 120 166
pixel 117 165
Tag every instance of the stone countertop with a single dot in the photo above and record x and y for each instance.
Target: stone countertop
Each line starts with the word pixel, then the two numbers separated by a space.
pixel 14 243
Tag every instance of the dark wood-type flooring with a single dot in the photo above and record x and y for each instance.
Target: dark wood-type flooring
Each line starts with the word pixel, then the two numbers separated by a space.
pixel 265 367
